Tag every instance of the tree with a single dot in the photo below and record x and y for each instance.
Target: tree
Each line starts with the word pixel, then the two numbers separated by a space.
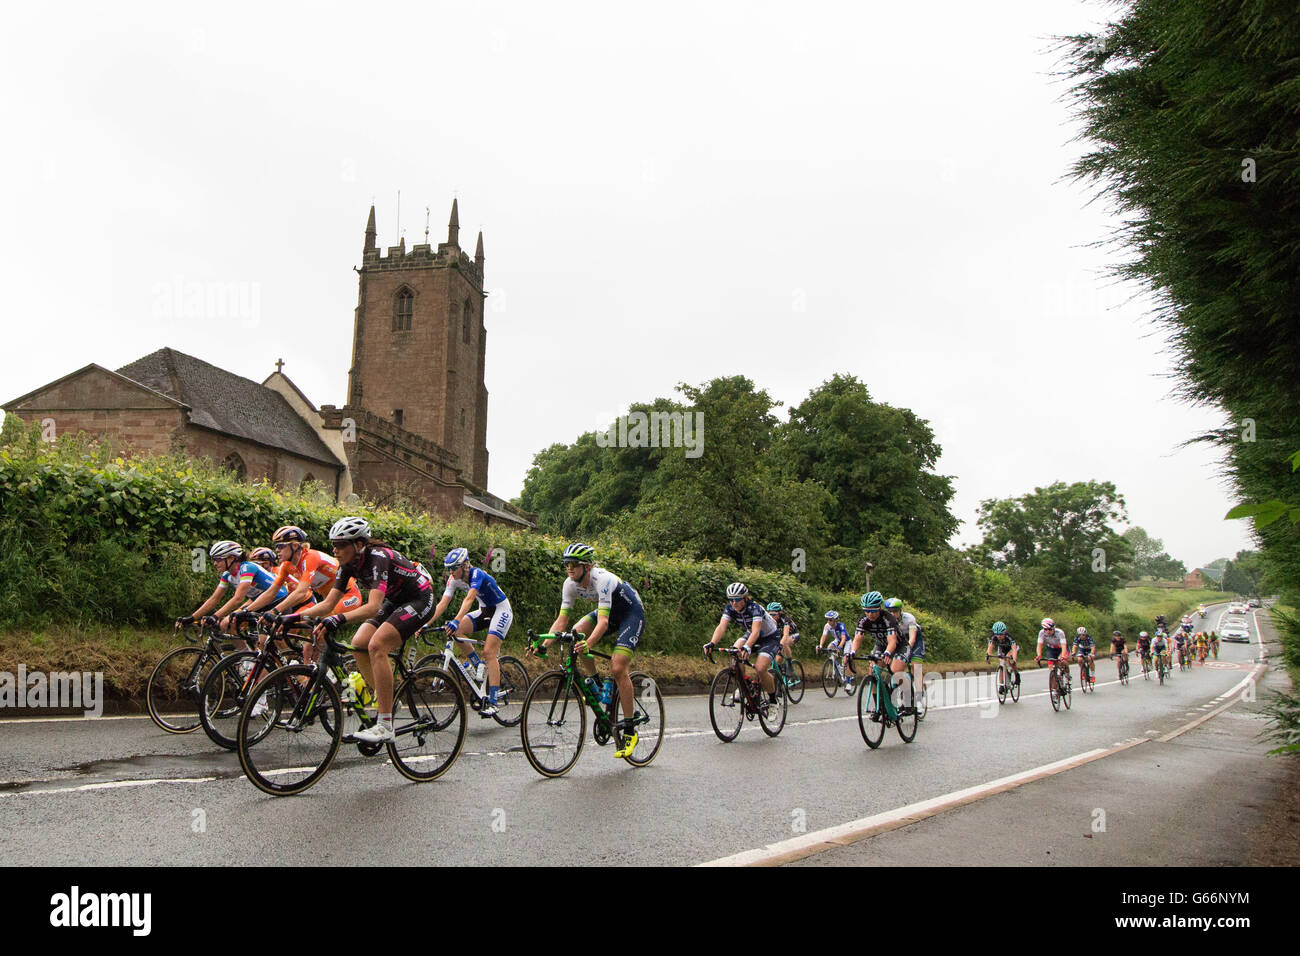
pixel 1061 537
pixel 877 462
pixel 1193 110
pixel 1150 558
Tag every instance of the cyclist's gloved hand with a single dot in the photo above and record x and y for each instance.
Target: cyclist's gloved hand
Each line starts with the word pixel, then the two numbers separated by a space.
pixel 269 618
pixel 452 626
pixel 333 622
pixel 708 649
pixel 182 621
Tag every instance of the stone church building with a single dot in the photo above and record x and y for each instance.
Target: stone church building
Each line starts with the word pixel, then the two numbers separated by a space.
pixel 415 420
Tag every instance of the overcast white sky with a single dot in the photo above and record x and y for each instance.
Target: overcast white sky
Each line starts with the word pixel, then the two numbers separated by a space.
pixel 667 194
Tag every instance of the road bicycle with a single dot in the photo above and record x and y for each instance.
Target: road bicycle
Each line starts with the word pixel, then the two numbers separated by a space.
pixel 835 672
pixel 554 725
pixel 1162 668
pixel 1146 665
pixel 1008 678
pixel 510 692
pixel 1087 682
pixel 1058 683
pixel 1183 662
pixel 878 709
pixel 173 693
pixel 735 697
pixel 789 672
pixel 292 723
pixel 1122 667
pixel 228 683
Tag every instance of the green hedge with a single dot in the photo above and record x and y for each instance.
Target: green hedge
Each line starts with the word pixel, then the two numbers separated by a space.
pixel 92 540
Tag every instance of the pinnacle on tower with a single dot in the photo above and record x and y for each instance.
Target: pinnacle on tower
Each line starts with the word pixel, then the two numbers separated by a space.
pixel 370 231
pixel 478 252
pixel 453 227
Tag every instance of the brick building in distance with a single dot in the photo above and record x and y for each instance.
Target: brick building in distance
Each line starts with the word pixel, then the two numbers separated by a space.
pixel 415 420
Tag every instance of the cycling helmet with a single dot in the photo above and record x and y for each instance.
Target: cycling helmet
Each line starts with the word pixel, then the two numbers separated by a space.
pixel 893 604
pixel 288 533
pixel 225 549
pixel 1048 624
pixel 1081 631
pixel 775 606
pixel 455 558
pixel 351 528
pixel 1116 634
pixel 1144 634
pixel 872 601
pixel 579 553
pixel 999 627
pixel 1160 619
pixel 832 615
pixel 736 590
pixel 263 554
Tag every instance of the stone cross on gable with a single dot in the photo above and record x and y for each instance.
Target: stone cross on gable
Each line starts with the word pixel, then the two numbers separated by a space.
pixel 279 364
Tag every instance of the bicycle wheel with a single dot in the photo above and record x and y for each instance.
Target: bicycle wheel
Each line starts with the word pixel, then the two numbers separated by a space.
pixel 907 724
pixel 172 692
pixel 922 701
pixel 830 678
pixel 851 687
pixel 513 690
pixel 871 716
pixel 431 737
pixel 794 681
pixel 1004 680
pixel 1015 684
pixel 726 705
pixel 1054 692
pixel 773 718
pixel 1065 693
pixel 1160 671
pixel 648 704
pixel 554 724
pixel 222 698
pixel 291 741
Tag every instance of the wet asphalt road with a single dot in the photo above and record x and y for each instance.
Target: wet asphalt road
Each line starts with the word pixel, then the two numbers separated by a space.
pixel 120 791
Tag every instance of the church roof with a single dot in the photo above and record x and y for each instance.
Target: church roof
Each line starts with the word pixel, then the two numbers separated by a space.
pixel 229 403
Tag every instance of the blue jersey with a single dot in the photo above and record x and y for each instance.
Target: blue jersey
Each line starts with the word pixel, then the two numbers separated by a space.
pixel 258 578
pixel 836 632
pixel 489 592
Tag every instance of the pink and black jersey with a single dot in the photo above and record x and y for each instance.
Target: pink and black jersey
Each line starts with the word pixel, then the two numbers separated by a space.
pixel 382 568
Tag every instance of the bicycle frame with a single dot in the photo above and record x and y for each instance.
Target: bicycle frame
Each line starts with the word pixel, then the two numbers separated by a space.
pixel 606 722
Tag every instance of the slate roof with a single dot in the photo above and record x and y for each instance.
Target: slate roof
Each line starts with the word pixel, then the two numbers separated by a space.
pixel 229 403
pixel 1214 574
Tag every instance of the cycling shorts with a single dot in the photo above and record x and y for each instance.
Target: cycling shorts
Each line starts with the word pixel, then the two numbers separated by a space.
pixel 1051 652
pixel 770 646
pixel 409 617
pixel 497 619
pixel 628 629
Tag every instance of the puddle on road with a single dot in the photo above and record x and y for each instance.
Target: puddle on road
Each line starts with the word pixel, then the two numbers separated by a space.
pixel 147 766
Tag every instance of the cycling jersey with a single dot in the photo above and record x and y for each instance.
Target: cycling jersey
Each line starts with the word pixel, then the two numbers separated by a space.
pixel 880 630
pixel 1002 643
pixel 784 620
pixel 383 569
pixel 489 592
pixel 747 615
pixel 614 597
pixel 1084 644
pixel 315 567
pixel 259 580
pixel 836 632
pixel 1118 645
pixel 1053 638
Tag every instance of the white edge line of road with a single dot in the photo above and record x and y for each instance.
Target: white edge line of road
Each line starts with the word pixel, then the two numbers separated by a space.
pixel 819 841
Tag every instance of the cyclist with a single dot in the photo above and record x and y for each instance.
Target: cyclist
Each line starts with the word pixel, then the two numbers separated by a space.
pixel 1160 647
pixel 761 634
pixel 1001 643
pixel 788 628
pixel 1144 650
pixel 265 557
pixel 910 631
pixel 1118 646
pixel 618 610
pixel 493 613
pixel 1051 639
pixel 248 579
pixel 883 628
pixel 1085 649
pixel 834 630
pixel 311 575
pixel 1202 646
pixel 1214 643
pixel 1181 643
pixel 398 603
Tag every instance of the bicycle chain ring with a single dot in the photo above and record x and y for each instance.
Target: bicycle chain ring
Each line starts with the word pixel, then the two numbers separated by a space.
pixel 369 749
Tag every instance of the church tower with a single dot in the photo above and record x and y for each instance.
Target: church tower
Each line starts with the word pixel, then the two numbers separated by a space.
pixel 419 344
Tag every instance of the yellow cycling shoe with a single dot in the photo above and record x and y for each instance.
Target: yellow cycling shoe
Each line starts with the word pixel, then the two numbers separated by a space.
pixel 629 744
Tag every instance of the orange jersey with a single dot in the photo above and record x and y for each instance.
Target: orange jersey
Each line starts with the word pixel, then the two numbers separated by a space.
pixel 320 571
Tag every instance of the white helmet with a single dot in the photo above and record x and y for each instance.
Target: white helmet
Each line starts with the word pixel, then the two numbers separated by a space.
pixel 1048 624
pixel 1144 634
pixel 225 549
pixel 350 529
pixel 1081 631
pixel 832 615
pixel 736 590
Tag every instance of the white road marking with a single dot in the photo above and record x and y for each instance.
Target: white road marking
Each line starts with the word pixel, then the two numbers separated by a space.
pixel 111 785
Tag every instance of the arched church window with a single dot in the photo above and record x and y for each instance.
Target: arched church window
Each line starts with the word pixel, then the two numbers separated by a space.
pixel 235 465
pixel 403 308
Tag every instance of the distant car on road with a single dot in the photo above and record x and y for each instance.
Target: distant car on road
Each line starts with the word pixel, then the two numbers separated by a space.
pixel 1236 632
pixel 1253 602
pixel 1236 608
